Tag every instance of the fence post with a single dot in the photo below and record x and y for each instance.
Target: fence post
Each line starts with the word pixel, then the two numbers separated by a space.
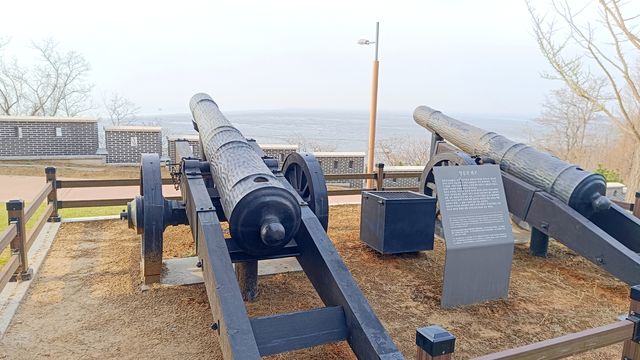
pixel 636 206
pixel 631 349
pixel 380 177
pixel 15 210
pixel 434 343
pixel 50 172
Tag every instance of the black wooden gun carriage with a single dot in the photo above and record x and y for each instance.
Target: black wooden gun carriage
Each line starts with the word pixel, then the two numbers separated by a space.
pixel 273 212
pixel 554 197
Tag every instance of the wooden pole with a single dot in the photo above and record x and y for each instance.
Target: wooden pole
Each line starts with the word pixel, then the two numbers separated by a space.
pixel 373 111
pixel 380 177
pixel 434 343
pixel 15 210
pixel 247 274
pixel 636 206
pixel 631 349
pixel 50 173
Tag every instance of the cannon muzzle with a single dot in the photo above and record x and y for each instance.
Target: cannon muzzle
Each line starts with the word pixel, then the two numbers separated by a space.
pixel 263 215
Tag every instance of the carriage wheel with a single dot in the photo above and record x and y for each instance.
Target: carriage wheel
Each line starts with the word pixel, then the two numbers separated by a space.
pixel 304 173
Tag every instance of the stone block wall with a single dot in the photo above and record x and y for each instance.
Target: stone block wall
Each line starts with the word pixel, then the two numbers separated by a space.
pixel 391 182
pixel 47 137
pixel 193 140
pixel 125 144
pixel 278 151
pixel 342 163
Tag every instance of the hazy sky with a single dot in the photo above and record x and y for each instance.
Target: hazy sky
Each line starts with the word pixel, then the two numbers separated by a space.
pixel 463 56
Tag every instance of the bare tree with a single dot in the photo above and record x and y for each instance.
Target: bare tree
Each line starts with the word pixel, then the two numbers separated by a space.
pixel 568 119
pixel 582 60
pixel 403 151
pixel 56 85
pixel 304 144
pixel 11 84
pixel 120 110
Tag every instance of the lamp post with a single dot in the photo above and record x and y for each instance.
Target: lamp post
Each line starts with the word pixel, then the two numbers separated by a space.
pixel 374 105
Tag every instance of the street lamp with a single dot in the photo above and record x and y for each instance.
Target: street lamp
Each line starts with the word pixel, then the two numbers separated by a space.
pixel 374 105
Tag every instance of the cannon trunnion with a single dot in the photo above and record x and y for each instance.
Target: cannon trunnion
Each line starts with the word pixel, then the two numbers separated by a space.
pixel 555 198
pixel 272 212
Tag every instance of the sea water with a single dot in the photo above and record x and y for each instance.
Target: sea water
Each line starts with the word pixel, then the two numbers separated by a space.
pixel 337 130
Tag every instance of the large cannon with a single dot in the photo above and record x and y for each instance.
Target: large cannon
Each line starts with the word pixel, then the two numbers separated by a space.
pixel 554 197
pixel 273 212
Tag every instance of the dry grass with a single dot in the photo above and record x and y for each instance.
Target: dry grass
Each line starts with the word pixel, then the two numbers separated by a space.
pixel 90 286
pixel 548 297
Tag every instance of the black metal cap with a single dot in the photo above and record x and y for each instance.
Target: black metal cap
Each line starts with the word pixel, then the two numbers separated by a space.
pixel 15 205
pixel 265 220
pixel 50 170
pixel 435 340
pixel 635 293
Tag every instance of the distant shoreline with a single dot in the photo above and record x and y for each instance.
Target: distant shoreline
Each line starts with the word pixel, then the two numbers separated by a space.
pixel 342 130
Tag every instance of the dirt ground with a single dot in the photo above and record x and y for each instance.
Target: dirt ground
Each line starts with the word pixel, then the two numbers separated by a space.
pixel 87 301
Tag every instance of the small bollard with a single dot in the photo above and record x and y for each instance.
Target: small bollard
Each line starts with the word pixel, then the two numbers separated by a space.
pixel 631 348
pixel 434 343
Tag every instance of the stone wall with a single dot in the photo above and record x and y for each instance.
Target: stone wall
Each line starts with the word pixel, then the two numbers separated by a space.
pixel 278 151
pixel 193 140
pixel 391 182
pixel 342 163
pixel 47 137
pixel 125 144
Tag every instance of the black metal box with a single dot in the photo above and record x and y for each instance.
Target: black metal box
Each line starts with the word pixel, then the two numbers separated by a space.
pixel 394 222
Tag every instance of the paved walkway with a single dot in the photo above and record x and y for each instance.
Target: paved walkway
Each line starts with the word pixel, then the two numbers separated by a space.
pixel 27 187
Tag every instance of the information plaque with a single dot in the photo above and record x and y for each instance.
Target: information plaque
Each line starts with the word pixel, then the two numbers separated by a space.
pixel 477 233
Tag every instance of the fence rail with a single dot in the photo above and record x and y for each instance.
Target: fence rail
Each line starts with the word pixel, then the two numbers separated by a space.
pixel 67 184
pixel 633 207
pixel 17 239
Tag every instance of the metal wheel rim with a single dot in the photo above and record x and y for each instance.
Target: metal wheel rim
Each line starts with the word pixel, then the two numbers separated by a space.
pixel 304 173
pixel 153 203
pixel 427 180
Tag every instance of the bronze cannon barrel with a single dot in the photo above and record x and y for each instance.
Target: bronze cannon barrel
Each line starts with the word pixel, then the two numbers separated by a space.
pixel 582 190
pixel 263 215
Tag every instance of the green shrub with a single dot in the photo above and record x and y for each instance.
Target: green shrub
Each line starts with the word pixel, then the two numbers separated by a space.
pixel 610 175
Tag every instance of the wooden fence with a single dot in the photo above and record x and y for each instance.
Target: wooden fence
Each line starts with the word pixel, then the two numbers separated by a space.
pixel 633 207
pixel 378 176
pixel 17 238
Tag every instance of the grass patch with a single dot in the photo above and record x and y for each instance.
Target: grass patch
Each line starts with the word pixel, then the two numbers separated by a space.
pixel 64 213
pixel 91 211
